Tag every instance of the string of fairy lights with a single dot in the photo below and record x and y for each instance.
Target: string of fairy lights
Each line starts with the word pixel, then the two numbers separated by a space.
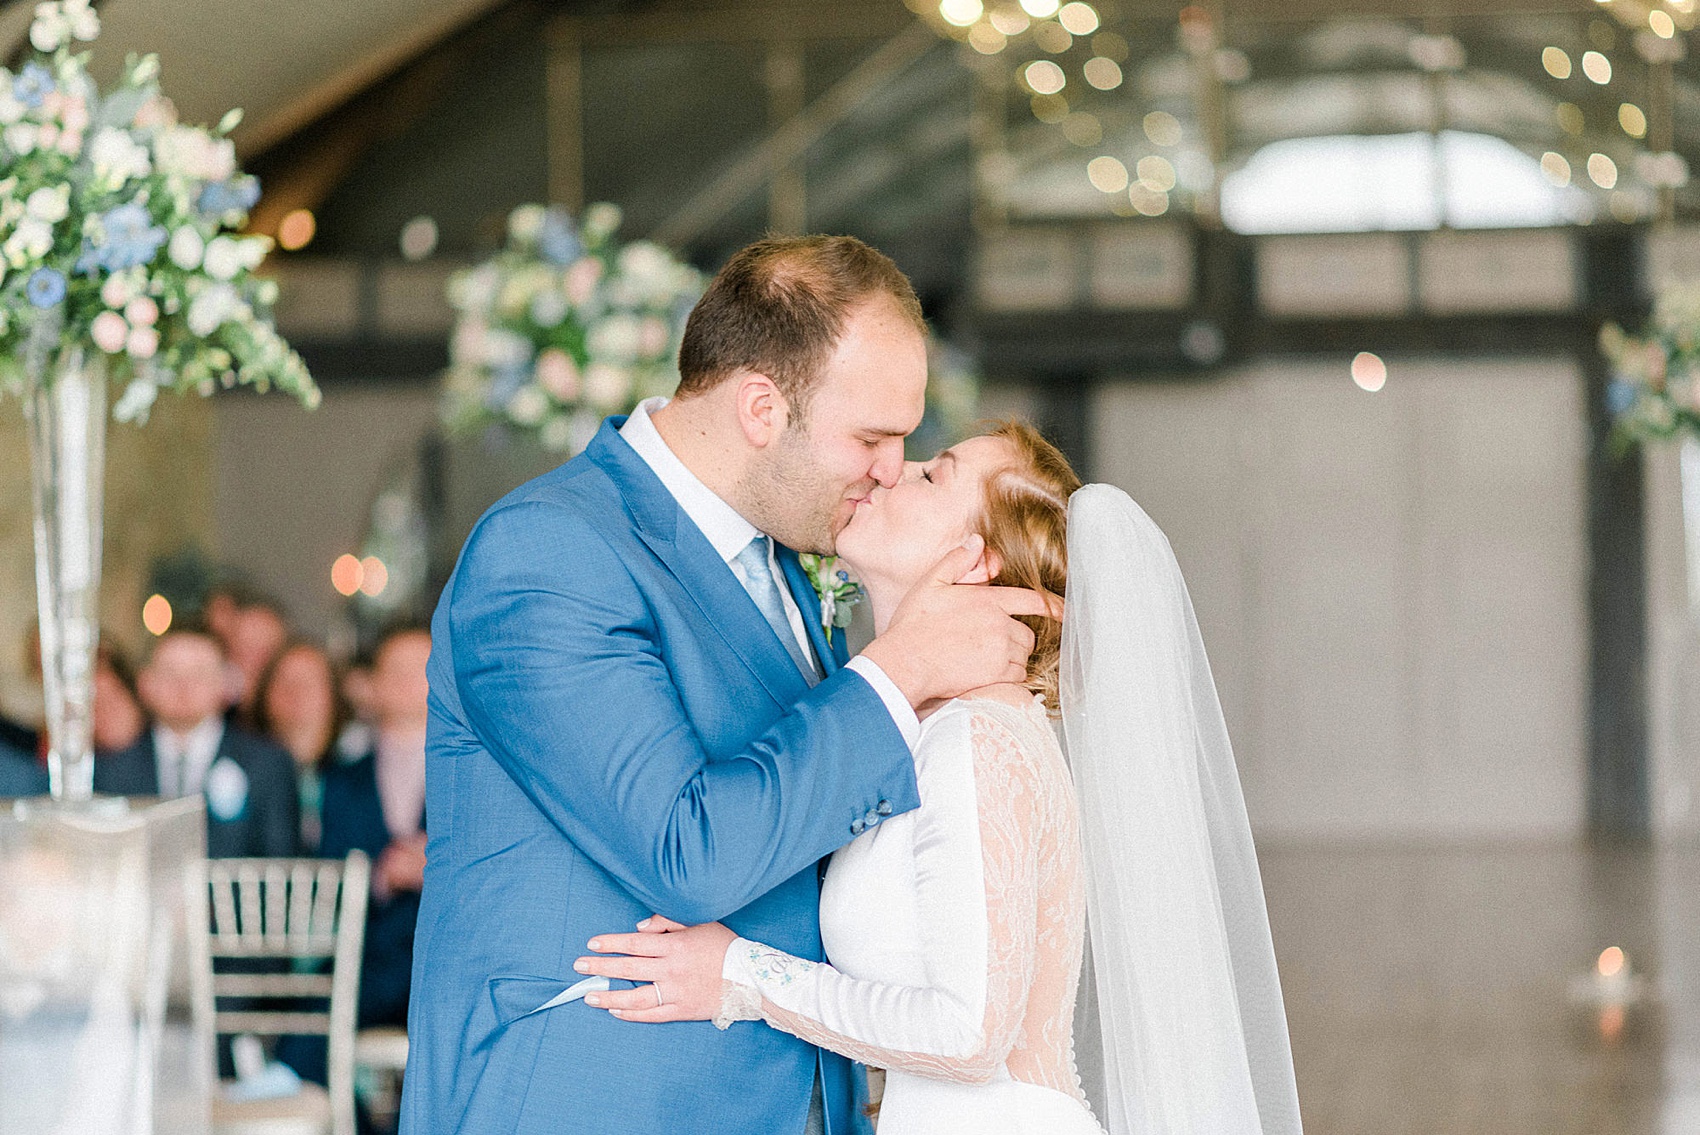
pixel 1080 73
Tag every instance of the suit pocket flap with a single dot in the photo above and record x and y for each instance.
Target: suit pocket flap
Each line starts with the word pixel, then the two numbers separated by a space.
pixel 517 995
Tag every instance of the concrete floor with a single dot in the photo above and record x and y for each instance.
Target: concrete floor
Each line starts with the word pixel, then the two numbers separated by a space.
pixel 1427 989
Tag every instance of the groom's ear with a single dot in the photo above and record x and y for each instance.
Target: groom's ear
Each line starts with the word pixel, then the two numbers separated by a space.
pixel 763 412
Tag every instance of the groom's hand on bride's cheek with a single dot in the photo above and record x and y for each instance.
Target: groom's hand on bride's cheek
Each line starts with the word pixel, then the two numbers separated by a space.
pixel 683 962
pixel 946 638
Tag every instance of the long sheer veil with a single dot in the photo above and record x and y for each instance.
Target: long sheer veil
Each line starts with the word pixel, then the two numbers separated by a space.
pixel 1188 1003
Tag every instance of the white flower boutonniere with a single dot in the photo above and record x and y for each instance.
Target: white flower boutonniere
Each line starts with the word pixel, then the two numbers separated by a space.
pixel 838 592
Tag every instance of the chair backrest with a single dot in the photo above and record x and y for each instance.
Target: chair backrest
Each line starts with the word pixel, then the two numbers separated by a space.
pixel 308 910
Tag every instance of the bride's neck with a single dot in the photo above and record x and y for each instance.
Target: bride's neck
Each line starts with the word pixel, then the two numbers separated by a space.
pixel 883 594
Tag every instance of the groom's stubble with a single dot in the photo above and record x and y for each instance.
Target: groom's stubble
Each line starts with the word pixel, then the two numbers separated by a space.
pixel 787 492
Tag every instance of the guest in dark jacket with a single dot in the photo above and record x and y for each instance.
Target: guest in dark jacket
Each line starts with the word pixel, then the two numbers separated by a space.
pixel 20 773
pixel 300 705
pixel 247 781
pixel 377 804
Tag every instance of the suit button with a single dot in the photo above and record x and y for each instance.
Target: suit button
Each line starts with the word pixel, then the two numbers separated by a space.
pixel 857 827
pixel 884 808
pixel 872 818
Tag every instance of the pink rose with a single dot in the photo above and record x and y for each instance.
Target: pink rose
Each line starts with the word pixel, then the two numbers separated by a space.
pixel 558 374
pixel 143 342
pixel 581 279
pixel 142 312
pixel 109 332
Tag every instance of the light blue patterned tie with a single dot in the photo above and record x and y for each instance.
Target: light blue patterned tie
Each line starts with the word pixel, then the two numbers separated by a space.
pixel 759 582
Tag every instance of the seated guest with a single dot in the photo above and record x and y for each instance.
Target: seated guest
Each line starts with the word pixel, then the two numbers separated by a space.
pixel 118 717
pixel 301 707
pixel 377 804
pixel 248 782
pixel 20 773
pixel 258 634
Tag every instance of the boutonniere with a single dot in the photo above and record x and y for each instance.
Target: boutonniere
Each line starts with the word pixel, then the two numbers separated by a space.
pixel 838 592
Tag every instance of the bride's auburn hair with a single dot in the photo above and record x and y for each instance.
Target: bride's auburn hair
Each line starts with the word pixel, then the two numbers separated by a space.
pixel 1025 522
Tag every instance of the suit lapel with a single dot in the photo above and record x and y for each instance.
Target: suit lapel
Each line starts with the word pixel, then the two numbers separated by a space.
pixel 691 559
pixel 808 603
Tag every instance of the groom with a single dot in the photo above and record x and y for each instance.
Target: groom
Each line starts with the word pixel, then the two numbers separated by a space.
pixel 635 709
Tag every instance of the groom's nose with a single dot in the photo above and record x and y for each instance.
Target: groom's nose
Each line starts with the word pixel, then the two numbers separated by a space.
pixel 888 467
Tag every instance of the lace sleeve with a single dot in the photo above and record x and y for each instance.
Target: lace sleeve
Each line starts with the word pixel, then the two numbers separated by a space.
pixel 976 883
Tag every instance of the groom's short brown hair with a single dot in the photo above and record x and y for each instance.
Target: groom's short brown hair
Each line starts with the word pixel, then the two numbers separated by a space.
pixel 779 306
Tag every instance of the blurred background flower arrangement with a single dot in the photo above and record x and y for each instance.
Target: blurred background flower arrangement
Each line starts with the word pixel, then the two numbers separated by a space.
pixel 1655 389
pixel 118 229
pixel 564 326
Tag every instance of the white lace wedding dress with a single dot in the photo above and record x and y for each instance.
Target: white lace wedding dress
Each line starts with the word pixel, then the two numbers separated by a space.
pixel 955 934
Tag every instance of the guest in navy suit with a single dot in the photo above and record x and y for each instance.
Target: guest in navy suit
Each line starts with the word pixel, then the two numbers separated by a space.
pixel 248 782
pixel 20 773
pixel 377 804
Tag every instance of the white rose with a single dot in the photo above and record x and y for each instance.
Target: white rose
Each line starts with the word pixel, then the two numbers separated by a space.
pixel 253 250
pixel 548 308
pixel 617 337
pixel 186 248
pixel 505 350
pixel 475 290
pixel 117 157
pixel 21 138
pixel 223 258
pixel 50 203
pixel 528 405
pixel 212 308
pixel 31 240
pixel 49 30
pixel 601 219
pixel 525 223
pixel 11 110
pixel 137 400
pixel 607 385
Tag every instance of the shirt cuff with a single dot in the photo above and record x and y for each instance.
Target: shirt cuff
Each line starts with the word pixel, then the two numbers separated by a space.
pixel 902 713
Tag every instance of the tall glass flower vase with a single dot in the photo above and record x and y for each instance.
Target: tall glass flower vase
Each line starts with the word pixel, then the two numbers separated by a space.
pixel 65 410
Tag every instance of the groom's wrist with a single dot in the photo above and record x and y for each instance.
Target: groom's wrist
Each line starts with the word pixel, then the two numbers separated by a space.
pixel 895 701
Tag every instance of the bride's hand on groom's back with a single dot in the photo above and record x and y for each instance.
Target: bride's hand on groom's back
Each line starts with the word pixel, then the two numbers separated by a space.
pixel 679 966
pixel 952 634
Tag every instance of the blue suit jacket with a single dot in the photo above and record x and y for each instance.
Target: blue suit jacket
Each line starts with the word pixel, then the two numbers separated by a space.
pixel 354 819
pixel 615 730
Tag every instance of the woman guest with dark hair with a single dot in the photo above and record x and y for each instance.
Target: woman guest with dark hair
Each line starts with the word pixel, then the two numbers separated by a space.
pixel 377 804
pixel 300 705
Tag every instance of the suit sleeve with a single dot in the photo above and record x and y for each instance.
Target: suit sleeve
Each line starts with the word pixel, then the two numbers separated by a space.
pixel 558 673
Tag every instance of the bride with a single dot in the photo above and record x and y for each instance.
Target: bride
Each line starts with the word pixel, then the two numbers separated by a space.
pixel 957 933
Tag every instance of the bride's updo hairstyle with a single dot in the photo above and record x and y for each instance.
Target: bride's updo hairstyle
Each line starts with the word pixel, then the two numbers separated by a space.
pixel 1026 524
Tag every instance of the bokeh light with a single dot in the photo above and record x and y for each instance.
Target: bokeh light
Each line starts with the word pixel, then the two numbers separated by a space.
pixel 1105 74
pixel 346 574
pixel 1156 173
pixel 1039 9
pixel 1044 77
pixel 1569 117
pixel 961 13
pixel 296 229
pixel 1602 170
pixel 1079 18
pixel 374 576
pixel 1557 62
pixel 986 39
pixel 1633 120
pixel 1107 174
pixel 156 615
pixel 1556 167
pixel 1369 372
pixel 1663 26
pixel 1597 67
pixel 1163 128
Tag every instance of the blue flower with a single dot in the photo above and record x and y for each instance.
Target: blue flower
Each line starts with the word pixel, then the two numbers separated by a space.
pixel 843 577
pixel 558 242
pixel 131 238
pixel 33 84
pixel 239 194
pixel 1620 396
pixel 45 288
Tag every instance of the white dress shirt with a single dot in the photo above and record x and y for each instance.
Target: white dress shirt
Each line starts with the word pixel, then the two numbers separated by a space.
pixel 189 754
pixel 729 533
